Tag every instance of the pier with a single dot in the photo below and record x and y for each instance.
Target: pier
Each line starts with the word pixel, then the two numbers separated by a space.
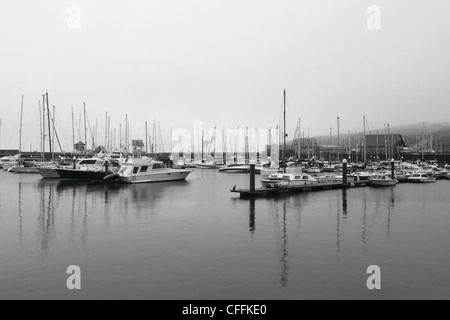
pixel 264 192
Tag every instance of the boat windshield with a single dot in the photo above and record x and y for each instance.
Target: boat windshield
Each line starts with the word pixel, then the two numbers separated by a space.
pixel 158 166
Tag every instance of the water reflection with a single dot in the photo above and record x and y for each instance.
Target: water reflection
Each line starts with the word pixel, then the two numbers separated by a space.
pixel 46 217
pixel 19 212
pixel 280 224
pixel 252 218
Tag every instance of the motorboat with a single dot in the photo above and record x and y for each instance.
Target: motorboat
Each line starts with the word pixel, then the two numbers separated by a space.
pixel 8 162
pixel 330 168
pixel 285 180
pixel 89 169
pixel 146 170
pixel 382 180
pixel 421 178
pixel 360 176
pixel 235 168
pixel 312 170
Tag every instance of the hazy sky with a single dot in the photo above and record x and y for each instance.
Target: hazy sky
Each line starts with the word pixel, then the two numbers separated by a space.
pixel 223 62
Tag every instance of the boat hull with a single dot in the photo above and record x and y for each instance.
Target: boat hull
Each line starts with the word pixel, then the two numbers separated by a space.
pixel 172 175
pixel 206 166
pixel 47 173
pixel 413 180
pixel 235 169
pixel 376 183
pixel 24 170
pixel 76 174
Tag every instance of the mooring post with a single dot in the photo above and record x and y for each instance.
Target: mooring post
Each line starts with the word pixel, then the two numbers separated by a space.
pixel 393 169
pixel 344 173
pixel 252 177
pixel 106 166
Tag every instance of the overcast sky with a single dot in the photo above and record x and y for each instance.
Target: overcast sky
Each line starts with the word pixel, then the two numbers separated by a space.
pixel 223 62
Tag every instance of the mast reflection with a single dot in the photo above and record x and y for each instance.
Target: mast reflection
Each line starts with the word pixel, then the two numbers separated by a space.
pixel 252 218
pixel 281 230
pixel 46 218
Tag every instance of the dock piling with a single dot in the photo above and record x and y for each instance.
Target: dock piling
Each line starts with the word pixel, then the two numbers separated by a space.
pixel 252 177
pixel 392 169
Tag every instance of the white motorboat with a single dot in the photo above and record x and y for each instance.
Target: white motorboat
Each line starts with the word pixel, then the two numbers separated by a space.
pixel 421 178
pixel 8 162
pixel 312 170
pixel 145 170
pixel 285 180
pixel 360 176
pixel 382 180
pixel 235 168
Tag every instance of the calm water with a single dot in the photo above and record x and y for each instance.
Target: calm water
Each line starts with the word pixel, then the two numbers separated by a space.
pixel 196 240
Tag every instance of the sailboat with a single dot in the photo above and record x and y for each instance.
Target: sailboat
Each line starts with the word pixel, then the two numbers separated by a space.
pixel 26 168
pixel 283 179
pixel 206 164
pixel 240 164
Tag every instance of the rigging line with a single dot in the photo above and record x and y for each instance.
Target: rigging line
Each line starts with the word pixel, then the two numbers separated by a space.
pixel 56 132
pixel 58 126
pixel 90 130
pixel 290 117
pixel 368 126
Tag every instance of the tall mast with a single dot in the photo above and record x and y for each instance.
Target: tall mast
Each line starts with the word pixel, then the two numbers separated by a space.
pixel 109 133
pixel 120 137
pixel 390 141
pixel 54 132
pixel 20 130
pixel 203 160
pixel 284 127
pixel 49 127
pixel 85 127
pixel 246 149
pixel 338 137
pixel 73 129
pixel 40 128
pixel 43 127
pixel 146 138
pixel 126 133
pixel 106 130
pixel 364 140
pixel 385 143
pixel 299 138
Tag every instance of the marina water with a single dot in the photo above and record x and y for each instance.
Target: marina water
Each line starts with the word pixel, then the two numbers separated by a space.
pixel 196 240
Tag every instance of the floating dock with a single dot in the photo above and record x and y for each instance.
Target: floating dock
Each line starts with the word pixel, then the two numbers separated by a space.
pixel 253 192
pixel 263 192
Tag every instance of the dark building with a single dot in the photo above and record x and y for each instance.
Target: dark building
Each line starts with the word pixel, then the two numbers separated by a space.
pixel 384 146
pixel 80 147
